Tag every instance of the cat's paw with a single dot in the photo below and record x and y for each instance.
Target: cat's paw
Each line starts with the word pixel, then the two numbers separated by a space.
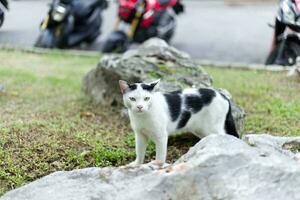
pixel 158 164
pixel 133 164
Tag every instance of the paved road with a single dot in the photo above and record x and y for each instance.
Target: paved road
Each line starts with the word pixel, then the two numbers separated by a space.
pixel 208 30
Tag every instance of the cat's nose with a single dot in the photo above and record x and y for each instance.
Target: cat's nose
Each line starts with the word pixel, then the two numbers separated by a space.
pixel 139 107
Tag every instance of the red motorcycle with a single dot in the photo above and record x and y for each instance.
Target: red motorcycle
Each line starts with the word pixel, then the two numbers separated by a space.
pixel 139 20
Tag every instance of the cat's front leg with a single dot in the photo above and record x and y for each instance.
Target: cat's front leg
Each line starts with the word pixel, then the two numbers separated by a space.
pixel 140 149
pixel 161 145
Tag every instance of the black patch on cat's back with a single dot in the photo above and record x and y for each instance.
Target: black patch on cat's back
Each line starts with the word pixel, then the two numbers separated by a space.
pixel 184 118
pixel 174 104
pixel 207 95
pixel 195 103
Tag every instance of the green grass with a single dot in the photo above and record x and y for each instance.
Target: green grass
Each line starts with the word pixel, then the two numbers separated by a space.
pixel 47 125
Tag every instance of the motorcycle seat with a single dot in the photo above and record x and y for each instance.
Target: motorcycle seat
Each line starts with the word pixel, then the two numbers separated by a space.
pixel 84 8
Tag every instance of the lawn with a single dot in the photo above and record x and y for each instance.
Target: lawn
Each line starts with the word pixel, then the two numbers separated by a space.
pixel 46 124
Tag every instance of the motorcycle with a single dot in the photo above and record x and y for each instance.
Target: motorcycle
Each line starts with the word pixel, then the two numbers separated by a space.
pixel 139 20
pixel 286 41
pixel 3 8
pixel 70 23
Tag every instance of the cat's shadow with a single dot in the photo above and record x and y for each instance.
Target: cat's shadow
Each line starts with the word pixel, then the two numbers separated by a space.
pixel 179 145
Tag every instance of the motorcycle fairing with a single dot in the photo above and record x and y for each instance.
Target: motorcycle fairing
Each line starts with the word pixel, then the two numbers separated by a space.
pixel 127 9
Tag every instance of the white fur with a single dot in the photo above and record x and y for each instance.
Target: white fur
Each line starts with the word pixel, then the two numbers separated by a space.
pixel 154 121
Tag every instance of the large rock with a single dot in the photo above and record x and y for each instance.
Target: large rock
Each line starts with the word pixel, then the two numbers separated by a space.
pixel 218 167
pixel 152 60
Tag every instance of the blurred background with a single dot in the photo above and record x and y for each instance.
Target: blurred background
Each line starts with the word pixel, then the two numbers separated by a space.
pixel 223 30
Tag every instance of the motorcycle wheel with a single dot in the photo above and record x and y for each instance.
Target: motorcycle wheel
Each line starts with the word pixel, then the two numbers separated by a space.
pixel 1 18
pixel 272 57
pixel 167 22
pixel 91 39
pixel 45 40
pixel 168 36
pixel 290 53
pixel 116 43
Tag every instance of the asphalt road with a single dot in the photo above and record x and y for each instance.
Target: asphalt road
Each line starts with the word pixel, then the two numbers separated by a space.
pixel 208 29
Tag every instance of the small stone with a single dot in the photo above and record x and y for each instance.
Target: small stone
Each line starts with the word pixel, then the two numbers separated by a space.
pixel 87 114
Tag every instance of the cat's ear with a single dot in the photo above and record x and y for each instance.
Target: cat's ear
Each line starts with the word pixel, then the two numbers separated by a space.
pixel 155 85
pixel 123 86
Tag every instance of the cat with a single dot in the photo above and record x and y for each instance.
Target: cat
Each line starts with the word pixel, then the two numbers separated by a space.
pixel 155 115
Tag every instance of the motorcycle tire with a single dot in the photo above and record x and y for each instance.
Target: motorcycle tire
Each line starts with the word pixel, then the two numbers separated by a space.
pixel 116 43
pixel 45 40
pixel 111 47
pixel 290 53
pixel 1 18
pixel 166 19
pixel 91 39
pixel 272 57
pixel 168 36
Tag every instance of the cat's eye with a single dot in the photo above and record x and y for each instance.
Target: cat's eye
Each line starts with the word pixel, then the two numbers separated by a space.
pixel 147 98
pixel 132 98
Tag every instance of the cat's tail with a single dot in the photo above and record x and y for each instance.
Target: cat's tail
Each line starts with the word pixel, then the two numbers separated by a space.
pixel 229 123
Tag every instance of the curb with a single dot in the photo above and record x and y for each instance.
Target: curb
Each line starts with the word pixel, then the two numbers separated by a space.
pixel 209 63
pixel 243 66
pixel 35 50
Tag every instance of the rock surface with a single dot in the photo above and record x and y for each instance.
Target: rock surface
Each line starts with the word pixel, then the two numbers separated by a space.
pixel 152 60
pixel 218 167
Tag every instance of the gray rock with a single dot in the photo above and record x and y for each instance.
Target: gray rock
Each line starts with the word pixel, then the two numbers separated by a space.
pixel 218 167
pixel 152 60
pixel 286 145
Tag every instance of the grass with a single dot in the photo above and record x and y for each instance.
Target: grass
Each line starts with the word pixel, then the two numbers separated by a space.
pixel 47 125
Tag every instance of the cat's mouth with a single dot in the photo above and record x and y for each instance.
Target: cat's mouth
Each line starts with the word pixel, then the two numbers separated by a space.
pixel 140 111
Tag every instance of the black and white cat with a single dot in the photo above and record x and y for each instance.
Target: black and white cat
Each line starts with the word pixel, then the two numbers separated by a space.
pixel 155 115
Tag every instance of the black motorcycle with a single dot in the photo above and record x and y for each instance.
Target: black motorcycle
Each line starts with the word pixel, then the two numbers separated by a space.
pixel 70 23
pixel 286 41
pixel 139 20
pixel 3 8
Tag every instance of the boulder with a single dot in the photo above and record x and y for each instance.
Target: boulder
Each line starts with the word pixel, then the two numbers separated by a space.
pixel 217 167
pixel 154 59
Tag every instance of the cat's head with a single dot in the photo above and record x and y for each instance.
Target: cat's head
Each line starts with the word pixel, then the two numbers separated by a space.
pixel 137 97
